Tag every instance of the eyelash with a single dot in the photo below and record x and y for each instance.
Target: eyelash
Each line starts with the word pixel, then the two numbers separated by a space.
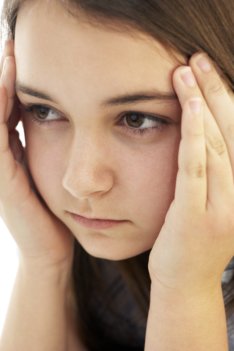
pixel 33 109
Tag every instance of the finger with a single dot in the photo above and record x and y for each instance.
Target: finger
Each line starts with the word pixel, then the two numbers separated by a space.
pixel 7 51
pixel 3 128
pixel 218 98
pixel 191 182
pixel 219 174
pixel 7 162
pixel 7 79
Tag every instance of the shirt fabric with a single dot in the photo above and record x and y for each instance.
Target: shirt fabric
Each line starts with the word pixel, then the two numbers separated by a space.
pixel 228 295
pixel 120 319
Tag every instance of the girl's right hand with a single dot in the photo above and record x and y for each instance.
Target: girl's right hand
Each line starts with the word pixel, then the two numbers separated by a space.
pixel 40 236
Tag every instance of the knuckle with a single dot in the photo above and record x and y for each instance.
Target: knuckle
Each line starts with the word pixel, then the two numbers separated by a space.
pixel 195 170
pixel 217 144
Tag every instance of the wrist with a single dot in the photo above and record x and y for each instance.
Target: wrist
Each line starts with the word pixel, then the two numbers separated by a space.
pixel 186 320
pixel 42 271
pixel 185 292
pixel 186 284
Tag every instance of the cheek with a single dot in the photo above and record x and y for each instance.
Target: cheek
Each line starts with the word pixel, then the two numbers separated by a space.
pixel 45 161
pixel 150 184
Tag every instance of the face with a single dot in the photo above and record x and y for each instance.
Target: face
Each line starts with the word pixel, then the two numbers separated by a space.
pixel 88 155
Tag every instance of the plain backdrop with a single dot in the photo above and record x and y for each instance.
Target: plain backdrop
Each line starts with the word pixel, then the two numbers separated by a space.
pixel 8 258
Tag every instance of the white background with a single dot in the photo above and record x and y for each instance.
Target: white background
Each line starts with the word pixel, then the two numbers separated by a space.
pixel 8 264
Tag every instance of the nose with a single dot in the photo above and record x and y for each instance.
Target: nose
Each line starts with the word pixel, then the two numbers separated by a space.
pixel 88 171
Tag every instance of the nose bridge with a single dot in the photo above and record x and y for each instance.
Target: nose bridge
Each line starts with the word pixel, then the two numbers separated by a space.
pixel 87 150
pixel 88 170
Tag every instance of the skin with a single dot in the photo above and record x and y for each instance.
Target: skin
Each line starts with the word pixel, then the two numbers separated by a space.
pixel 194 221
pixel 119 174
pixel 193 212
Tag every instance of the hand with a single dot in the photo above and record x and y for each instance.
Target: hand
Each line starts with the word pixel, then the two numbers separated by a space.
pixel 41 237
pixel 196 241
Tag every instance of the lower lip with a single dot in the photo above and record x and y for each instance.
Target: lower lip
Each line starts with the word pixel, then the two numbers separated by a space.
pixel 95 223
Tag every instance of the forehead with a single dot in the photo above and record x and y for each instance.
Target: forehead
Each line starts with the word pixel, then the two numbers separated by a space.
pixel 52 45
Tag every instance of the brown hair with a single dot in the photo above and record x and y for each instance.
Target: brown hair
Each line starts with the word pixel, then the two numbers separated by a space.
pixel 183 26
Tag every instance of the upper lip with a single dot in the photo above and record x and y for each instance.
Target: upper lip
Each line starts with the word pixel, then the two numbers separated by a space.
pixel 95 218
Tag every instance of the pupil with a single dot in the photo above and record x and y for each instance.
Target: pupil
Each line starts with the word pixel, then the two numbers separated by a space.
pixel 134 120
pixel 43 112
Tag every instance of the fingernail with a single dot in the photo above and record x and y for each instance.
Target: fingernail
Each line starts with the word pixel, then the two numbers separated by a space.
pixel 195 105
pixel 204 64
pixel 188 77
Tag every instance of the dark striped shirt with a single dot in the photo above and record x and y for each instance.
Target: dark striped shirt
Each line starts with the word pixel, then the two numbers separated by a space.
pixel 120 318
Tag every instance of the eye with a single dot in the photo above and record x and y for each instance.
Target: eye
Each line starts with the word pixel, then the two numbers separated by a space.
pixel 137 122
pixel 42 114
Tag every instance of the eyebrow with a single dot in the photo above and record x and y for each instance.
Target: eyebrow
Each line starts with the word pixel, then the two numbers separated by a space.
pixel 128 98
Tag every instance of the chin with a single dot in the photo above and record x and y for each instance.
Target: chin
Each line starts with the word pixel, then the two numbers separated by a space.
pixel 113 252
pixel 114 247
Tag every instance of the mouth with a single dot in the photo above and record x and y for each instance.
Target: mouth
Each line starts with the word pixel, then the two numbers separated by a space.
pixel 96 223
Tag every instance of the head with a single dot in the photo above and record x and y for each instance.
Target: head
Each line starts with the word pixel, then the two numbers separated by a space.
pixel 102 156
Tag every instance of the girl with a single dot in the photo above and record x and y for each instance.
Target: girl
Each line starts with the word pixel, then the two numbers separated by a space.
pixel 122 201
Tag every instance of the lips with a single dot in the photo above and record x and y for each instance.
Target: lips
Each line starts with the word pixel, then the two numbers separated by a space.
pixel 96 223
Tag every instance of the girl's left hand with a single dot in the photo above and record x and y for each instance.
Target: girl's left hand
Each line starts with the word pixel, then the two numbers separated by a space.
pixel 196 241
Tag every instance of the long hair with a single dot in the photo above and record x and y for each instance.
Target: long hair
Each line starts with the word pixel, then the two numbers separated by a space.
pixel 182 26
